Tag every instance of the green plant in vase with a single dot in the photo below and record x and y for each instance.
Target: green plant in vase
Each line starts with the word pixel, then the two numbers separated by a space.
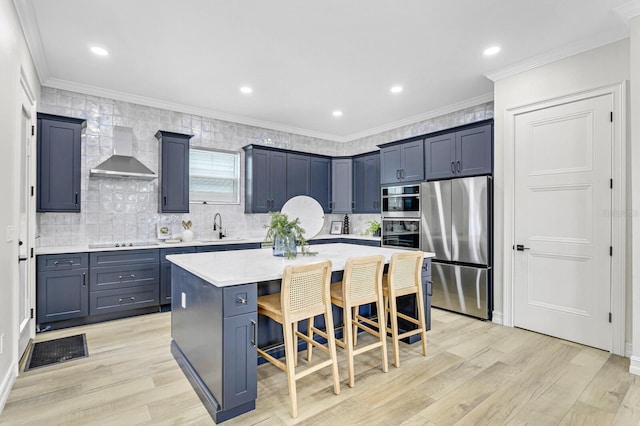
pixel 285 234
pixel 373 229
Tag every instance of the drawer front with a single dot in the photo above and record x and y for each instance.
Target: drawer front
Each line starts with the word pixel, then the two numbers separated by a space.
pixel 426 268
pixel 164 252
pixel 103 302
pixel 124 257
pixel 61 262
pixel 120 277
pixel 240 299
pixel 227 247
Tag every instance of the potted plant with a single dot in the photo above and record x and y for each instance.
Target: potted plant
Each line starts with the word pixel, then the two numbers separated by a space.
pixel 373 229
pixel 285 235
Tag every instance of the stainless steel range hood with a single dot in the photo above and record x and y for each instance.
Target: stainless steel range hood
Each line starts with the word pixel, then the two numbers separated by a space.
pixel 122 163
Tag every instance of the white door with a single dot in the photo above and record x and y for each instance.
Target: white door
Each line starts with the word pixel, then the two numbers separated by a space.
pixel 563 221
pixel 26 267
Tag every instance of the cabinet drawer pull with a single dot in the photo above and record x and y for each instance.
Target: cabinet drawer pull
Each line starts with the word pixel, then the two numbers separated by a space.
pixel 458 166
pixel 84 279
pixel 398 174
pixel 63 262
pixel 453 167
pixel 76 198
pixel 164 200
pixel 241 300
pixel 121 277
pixel 126 299
pixel 254 334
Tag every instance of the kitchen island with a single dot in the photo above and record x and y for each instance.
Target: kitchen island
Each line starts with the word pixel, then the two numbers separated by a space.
pixel 214 321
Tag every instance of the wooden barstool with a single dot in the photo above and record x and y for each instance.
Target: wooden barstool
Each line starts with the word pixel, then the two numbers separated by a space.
pixel 361 284
pixel 305 293
pixel 403 278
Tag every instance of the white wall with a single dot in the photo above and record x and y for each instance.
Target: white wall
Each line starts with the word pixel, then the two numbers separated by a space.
pixel 634 158
pixel 13 55
pixel 596 68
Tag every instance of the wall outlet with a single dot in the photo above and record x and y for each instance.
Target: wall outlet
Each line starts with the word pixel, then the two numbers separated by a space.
pixel 9 233
pixel 183 301
pixel 1 343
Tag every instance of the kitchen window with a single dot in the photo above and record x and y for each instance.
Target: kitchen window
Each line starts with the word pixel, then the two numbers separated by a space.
pixel 214 176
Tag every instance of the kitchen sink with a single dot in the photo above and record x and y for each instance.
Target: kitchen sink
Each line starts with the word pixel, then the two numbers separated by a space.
pixel 113 245
pixel 220 240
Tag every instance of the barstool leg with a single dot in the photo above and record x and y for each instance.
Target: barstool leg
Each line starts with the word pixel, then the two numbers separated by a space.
pixel 394 330
pixel 354 319
pixel 295 342
pixel 289 353
pixel 331 341
pixel 348 340
pixel 382 331
pixel 422 319
pixel 310 325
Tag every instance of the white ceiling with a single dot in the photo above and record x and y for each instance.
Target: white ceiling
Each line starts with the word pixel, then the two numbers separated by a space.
pixel 305 59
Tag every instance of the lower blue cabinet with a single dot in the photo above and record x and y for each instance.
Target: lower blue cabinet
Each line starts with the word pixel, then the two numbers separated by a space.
pixel 62 287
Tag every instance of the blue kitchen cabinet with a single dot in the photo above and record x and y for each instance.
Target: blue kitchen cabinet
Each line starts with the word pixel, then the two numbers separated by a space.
pixel 227 247
pixel 321 181
pixel 402 162
pixel 341 185
pixel 62 287
pixel 165 271
pixel 265 179
pixel 214 341
pixel 174 172
pixel 298 174
pixel 123 280
pixel 466 152
pixel 366 183
pixel 58 163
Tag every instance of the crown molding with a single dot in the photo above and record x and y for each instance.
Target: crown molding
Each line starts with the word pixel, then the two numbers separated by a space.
pixel 31 31
pixel 559 53
pixel 628 10
pixel 204 112
pixel 173 106
pixel 487 97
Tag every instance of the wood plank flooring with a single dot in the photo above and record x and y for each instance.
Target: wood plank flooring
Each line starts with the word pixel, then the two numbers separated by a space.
pixel 476 373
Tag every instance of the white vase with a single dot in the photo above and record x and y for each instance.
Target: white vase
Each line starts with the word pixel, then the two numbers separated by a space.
pixel 187 235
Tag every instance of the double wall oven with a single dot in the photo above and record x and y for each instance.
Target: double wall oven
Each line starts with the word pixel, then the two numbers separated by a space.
pixel 401 216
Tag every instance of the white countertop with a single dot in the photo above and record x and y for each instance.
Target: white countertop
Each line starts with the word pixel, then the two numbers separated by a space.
pixel 196 242
pixel 227 268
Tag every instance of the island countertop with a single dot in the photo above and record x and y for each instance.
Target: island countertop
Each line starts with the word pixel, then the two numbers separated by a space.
pixel 229 268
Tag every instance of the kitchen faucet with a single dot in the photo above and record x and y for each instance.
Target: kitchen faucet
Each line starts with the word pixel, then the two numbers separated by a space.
pixel 218 226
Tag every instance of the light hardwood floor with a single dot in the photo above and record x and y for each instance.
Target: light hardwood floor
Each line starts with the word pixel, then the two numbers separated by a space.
pixel 476 373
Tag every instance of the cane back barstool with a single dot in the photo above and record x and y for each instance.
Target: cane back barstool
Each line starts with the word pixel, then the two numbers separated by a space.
pixel 304 294
pixel 404 277
pixel 361 284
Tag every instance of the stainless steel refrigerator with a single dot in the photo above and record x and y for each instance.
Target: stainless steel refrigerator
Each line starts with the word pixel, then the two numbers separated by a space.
pixel 456 225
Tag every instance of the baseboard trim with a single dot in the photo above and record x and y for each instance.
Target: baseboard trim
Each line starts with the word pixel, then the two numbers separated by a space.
pixel 497 318
pixel 7 384
pixel 628 350
pixel 634 366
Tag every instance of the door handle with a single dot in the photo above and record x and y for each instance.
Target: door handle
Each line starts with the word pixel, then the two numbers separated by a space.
pixel 520 247
pixel 254 333
pixel 22 259
pixel 398 174
pixel 164 200
pixel 84 279
pixel 76 198
pixel 402 174
pixel 458 166
pixel 453 167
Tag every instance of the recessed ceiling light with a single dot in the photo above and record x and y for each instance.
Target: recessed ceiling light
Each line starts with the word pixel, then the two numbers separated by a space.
pixel 246 90
pixel 99 51
pixel 337 113
pixel 396 89
pixel 491 50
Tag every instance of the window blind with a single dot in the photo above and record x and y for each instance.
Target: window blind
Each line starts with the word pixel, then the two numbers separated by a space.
pixel 214 176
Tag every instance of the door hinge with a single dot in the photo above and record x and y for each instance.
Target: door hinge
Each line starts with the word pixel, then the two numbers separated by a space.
pixel 33 130
pixel 610 250
pixel 31 251
pixel 611 183
pixel 32 313
pixel 611 116
pixel 609 316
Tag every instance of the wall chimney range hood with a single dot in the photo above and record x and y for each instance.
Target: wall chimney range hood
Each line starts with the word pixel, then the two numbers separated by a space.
pixel 122 163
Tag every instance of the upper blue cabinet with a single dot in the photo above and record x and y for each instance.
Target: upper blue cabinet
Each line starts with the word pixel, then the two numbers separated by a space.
pixel 174 172
pixel 467 152
pixel 366 183
pixel 265 179
pixel 58 163
pixel 402 162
